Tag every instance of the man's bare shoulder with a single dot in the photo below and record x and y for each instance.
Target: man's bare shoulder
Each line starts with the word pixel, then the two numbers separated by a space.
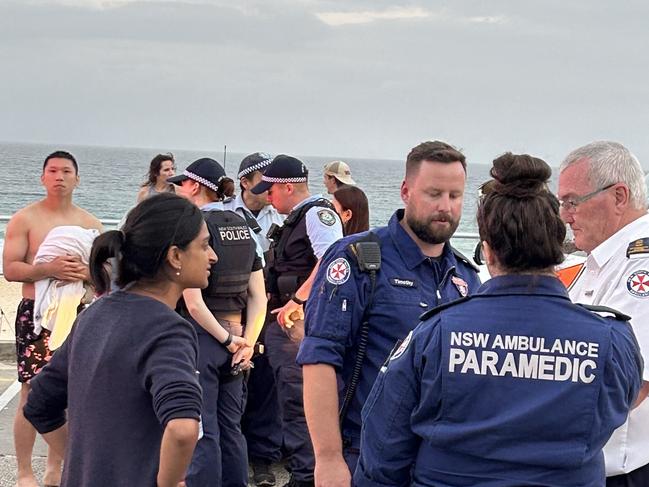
pixel 25 216
pixel 87 219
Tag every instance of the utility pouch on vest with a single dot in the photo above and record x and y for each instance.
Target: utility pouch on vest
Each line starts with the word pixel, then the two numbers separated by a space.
pixel 274 232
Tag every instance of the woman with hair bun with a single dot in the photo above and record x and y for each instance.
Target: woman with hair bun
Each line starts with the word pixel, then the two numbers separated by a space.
pixel 127 372
pixel 514 385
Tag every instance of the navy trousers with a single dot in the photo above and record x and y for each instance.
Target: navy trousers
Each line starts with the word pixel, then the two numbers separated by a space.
pixel 220 457
pixel 288 377
pixel 261 423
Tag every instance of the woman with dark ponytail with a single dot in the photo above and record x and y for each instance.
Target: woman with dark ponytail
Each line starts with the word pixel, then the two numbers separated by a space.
pixel 127 372
pixel 514 385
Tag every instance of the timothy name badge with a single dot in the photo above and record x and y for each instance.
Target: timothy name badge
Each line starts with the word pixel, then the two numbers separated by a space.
pixel 327 217
pixel 338 271
pixel 638 284
pixel 399 282
pixel 461 285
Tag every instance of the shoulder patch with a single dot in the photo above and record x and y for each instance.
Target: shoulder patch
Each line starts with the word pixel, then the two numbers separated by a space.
pixel 461 285
pixel 638 247
pixel 327 217
pixel 402 348
pixel 638 284
pixel 338 271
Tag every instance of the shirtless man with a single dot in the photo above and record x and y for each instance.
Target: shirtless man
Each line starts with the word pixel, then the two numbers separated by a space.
pixel 25 232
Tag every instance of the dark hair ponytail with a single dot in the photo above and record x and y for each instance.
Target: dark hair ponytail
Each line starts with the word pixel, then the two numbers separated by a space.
pixel 519 217
pixel 141 246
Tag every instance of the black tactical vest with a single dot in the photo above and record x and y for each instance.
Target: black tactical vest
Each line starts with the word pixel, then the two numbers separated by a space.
pixel 231 239
pixel 292 255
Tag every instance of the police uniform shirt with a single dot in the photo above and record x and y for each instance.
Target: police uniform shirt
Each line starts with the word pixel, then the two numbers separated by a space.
pixel 219 206
pixel 610 278
pixel 265 218
pixel 408 284
pixel 323 226
pixel 514 386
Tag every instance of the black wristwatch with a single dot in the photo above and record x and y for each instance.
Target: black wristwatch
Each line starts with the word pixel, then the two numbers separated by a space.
pixel 228 340
pixel 297 300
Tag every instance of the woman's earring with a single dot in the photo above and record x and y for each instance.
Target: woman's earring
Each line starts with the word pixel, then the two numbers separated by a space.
pixel 178 271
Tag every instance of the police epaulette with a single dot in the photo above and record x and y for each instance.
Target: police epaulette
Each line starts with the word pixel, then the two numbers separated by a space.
pixel 605 309
pixel 459 255
pixel 639 246
pixel 442 307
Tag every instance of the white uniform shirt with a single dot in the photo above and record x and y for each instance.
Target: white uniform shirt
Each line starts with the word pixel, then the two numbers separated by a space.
pixel 610 278
pixel 266 217
pixel 323 226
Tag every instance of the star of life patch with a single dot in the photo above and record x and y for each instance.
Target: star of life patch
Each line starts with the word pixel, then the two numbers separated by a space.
pixel 327 217
pixel 638 284
pixel 461 285
pixel 402 348
pixel 338 271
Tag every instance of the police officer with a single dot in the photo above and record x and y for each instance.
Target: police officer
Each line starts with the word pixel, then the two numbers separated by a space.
pixel 511 386
pixel 604 200
pixel 236 283
pixel 261 423
pixel 351 309
pixel 311 227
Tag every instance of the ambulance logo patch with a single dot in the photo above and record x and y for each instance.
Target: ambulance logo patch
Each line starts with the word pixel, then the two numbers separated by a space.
pixel 326 217
pixel 461 285
pixel 402 348
pixel 638 284
pixel 338 271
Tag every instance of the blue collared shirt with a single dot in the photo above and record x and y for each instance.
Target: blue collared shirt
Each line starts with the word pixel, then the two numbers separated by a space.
pixel 407 284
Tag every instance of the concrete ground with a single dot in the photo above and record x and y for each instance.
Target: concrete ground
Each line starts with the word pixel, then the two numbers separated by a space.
pixel 8 388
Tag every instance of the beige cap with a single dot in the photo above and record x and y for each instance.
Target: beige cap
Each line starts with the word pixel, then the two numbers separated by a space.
pixel 340 170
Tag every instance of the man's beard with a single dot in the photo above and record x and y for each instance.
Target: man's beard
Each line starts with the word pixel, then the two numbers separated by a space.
pixel 424 231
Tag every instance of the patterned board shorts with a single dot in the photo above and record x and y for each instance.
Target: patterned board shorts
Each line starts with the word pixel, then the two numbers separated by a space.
pixel 32 350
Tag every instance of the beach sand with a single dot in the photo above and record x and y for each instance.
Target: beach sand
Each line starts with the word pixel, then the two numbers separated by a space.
pixel 10 296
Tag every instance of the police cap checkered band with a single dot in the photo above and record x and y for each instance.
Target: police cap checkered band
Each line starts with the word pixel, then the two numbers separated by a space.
pixel 203 181
pixel 254 162
pixel 283 169
pixel 284 180
pixel 205 171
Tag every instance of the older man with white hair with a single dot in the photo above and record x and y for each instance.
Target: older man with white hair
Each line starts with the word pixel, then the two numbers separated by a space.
pixel 604 200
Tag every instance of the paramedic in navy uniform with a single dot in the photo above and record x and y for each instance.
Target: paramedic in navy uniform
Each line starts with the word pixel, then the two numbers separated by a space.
pixel 514 385
pixel 419 270
pixel 311 226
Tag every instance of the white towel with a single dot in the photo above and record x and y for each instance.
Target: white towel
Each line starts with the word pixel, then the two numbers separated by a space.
pixel 57 301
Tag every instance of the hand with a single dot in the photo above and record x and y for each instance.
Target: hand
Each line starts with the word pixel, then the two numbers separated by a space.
pixel 332 472
pixel 68 268
pixel 237 344
pixel 243 355
pixel 288 313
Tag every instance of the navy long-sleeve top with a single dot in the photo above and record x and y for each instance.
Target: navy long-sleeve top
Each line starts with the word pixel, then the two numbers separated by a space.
pixel 127 368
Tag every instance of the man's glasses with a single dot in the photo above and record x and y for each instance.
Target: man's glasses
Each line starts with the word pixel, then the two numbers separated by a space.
pixel 570 205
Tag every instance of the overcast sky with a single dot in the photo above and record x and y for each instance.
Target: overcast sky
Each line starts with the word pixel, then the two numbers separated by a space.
pixel 357 78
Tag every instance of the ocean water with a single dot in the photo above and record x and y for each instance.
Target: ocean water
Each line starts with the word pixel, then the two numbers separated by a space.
pixel 110 178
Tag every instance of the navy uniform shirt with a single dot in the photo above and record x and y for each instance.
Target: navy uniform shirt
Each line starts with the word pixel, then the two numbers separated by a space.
pixel 513 386
pixel 408 284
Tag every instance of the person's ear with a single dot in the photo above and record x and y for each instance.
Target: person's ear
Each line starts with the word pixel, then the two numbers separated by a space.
pixel 174 259
pixel 489 256
pixel 405 192
pixel 347 215
pixel 622 196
